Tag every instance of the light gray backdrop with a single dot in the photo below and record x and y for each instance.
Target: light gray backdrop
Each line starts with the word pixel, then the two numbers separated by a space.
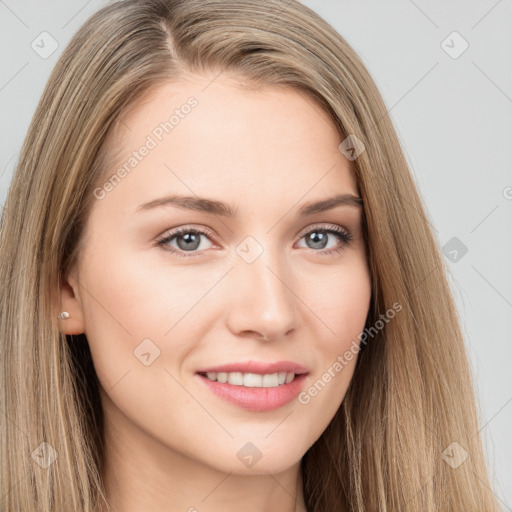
pixel 445 71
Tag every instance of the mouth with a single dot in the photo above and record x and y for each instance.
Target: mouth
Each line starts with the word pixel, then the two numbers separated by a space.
pixel 261 389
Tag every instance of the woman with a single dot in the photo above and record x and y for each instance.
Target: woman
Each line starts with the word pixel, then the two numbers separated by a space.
pixel 221 287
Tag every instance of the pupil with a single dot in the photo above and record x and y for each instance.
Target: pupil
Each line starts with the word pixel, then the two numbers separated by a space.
pixel 190 240
pixel 319 239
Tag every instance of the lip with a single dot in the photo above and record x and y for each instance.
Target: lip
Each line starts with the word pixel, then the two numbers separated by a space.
pixel 256 399
pixel 258 367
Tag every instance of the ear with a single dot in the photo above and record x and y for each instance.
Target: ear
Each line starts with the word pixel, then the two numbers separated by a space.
pixel 68 299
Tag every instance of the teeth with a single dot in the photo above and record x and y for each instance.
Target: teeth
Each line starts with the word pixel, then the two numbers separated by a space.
pixel 252 380
pixel 236 378
pixel 270 380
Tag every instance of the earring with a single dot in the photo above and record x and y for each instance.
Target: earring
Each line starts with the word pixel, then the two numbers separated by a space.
pixel 63 315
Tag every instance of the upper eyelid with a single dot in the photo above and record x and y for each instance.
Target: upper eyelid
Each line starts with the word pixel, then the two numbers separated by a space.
pixel 323 226
pixel 208 232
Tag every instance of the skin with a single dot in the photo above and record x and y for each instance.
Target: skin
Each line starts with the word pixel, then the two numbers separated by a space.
pixel 171 444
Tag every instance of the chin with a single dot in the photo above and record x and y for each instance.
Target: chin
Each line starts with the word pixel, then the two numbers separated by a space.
pixel 259 459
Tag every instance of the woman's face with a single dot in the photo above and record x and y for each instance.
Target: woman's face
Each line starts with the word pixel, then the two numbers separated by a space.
pixel 250 294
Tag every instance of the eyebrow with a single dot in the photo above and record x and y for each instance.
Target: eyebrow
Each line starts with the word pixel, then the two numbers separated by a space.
pixel 215 207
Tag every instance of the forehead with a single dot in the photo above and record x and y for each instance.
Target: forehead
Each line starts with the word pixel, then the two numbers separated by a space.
pixel 211 136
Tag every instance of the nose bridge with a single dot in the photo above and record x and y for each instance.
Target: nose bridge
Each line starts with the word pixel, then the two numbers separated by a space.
pixel 263 298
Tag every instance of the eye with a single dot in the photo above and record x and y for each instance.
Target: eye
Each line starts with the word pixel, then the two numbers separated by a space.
pixel 318 237
pixel 188 239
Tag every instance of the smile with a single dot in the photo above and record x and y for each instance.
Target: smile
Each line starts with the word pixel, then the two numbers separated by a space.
pixel 253 392
pixel 252 380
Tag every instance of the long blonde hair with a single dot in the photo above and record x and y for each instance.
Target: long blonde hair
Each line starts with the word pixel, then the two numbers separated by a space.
pixel 411 395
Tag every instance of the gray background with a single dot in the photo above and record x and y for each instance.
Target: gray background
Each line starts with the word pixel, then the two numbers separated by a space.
pixel 452 114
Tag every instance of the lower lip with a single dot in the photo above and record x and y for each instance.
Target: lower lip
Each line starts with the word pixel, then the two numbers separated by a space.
pixel 257 399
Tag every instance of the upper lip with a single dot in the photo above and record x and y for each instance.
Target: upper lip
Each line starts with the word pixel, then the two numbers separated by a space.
pixel 257 367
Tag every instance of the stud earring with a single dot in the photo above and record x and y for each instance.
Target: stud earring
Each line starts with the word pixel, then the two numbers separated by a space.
pixel 63 315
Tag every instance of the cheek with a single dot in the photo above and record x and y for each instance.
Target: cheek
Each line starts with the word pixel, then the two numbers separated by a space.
pixel 129 307
pixel 123 307
pixel 136 305
pixel 340 301
pixel 342 313
pixel 131 295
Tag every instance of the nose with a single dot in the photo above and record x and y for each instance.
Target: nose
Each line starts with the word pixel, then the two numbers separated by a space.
pixel 262 303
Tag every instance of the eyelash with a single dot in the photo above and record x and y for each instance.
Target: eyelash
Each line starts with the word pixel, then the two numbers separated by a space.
pixel 343 234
